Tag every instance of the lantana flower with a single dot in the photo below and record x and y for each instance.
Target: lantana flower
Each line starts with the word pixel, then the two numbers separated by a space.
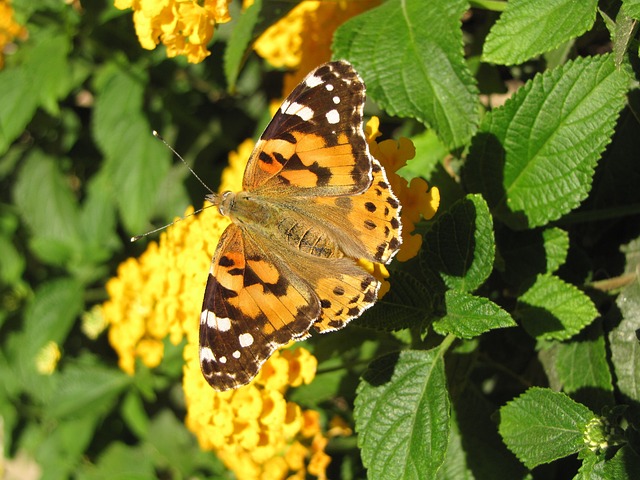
pixel 185 27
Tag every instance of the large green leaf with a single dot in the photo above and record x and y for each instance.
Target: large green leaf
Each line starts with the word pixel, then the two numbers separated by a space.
pixel 528 28
pixel 534 158
pixel 542 425
pixel 632 8
pixel 554 309
pixel 468 316
pixel 402 415
pixel 50 209
pixel 40 80
pixel 583 369
pixel 85 389
pixel 410 55
pixel 136 162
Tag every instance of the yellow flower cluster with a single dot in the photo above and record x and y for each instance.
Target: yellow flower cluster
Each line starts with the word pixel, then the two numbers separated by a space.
pixel 185 27
pixel 416 198
pixel 301 40
pixel 254 430
pixel 9 29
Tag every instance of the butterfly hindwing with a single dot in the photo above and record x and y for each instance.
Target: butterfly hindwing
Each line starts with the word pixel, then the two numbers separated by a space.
pixel 373 218
pixel 314 145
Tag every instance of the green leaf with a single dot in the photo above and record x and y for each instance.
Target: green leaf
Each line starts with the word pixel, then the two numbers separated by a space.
pixel 50 209
pixel 402 415
pixel 134 414
pixel 17 106
pixel 528 253
pixel 98 220
pixel 87 388
pixel 542 425
pixel 42 79
pixel 469 316
pixel 121 462
pixel 624 34
pixel 241 36
pixel 475 449
pixel 251 23
pixel 60 451
pixel 534 158
pixel 460 244
pixel 408 304
pixel 12 263
pixel 623 339
pixel 429 152
pixel 624 465
pixel 554 309
pixel 176 449
pixel 136 162
pixel 410 54
pixel 528 28
pixel 583 369
pixel 49 317
pixel 632 8
pixel 48 68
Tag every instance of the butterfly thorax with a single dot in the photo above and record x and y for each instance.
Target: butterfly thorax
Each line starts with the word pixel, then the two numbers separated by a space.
pixel 279 222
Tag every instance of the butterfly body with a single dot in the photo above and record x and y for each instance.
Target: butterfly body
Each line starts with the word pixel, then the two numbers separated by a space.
pixel 314 201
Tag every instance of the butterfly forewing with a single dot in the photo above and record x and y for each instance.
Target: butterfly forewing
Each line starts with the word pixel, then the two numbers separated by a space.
pixel 314 146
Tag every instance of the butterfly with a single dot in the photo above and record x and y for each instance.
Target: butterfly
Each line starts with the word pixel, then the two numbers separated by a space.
pixel 314 201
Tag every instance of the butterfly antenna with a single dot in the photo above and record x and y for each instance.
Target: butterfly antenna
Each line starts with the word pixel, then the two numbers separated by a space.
pixel 138 237
pixel 159 137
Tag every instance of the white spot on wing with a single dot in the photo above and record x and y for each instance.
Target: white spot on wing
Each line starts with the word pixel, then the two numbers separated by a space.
pixel 218 323
pixel 302 111
pixel 329 87
pixel 245 339
pixel 333 117
pixel 336 99
pixel 236 354
pixel 284 106
pixel 206 355
pixel 313 81
pixel 223 359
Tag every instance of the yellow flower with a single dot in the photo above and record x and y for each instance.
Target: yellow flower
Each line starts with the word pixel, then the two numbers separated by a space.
pixel 185 27
pixel 9 28
pixel 47 358
pixel 416 198
pixel 339 428
pixel 301 40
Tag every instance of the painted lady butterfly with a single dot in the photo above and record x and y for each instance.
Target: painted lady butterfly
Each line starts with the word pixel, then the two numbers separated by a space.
pixel 314 201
